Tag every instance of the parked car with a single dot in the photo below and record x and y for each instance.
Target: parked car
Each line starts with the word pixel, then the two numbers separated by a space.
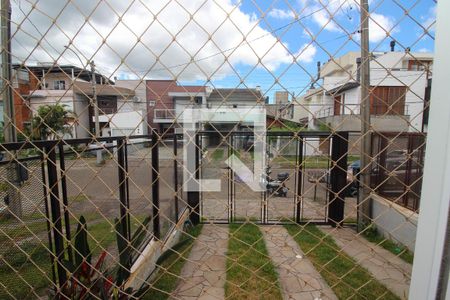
pixel 353 178
pixel 392 175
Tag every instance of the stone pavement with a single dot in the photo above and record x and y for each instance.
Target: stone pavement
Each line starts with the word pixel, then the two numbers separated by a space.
pixel 298 277
pixel 387 268
pixel 204 274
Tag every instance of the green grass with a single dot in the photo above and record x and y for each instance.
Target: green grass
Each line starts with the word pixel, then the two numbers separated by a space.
pixel 31 270
pixel 101 236
pixel 77 198
pixel 347 279
pixel 170 265
pixel 217 154
pixel 22 231
pixel 401 251
pixel 14 279
pixel 311 162
pixel 250 272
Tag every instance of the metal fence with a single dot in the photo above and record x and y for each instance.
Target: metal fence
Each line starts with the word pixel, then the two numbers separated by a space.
pixel 137 176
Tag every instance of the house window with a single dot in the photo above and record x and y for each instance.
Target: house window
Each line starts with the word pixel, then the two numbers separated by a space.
pixel 59 85
pixel 417 65
pixel 151 103
pixel 339 104
pixel 388 100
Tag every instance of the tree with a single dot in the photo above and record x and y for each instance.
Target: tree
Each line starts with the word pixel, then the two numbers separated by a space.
pixel 50 122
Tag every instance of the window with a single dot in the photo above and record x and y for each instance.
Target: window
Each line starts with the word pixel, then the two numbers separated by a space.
pixel 151 103
pixel 59 85
pixel 388 100
pixel 339 104
pixel 418 65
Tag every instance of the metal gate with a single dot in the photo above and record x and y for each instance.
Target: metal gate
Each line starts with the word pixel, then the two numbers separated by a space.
pixel 305 185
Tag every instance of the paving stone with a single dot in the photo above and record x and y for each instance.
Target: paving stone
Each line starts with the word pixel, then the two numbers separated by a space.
pixel 386 267
pixel 204 274
pixel 298 277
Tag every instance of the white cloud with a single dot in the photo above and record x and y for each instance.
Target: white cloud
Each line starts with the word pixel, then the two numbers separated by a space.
pixel 325 13
pixel 429 21
pixel 281 14
pixel 162 37
pixel 424 50
pixel 379 26
pixel 306 53
pixel 338 16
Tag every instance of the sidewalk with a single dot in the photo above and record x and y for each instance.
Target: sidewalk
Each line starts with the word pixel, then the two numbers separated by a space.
pixel 204 274
pixel 298 277
pixel 386 267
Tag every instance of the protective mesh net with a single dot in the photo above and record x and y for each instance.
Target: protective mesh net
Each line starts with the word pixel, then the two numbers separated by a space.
pixel 98 158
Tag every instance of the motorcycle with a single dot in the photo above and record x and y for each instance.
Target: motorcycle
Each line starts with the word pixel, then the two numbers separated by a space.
pixel 276 187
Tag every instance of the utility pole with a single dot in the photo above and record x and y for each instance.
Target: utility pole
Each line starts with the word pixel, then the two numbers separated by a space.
pixel 100 160
pixel 8 100
pixel 13 197
pixel 364 201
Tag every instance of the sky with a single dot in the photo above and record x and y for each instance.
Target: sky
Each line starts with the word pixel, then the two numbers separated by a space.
pixel 221 43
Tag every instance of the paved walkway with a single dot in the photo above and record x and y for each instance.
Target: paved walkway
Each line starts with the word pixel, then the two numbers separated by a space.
pixel 387 268
pixel 298 277
pixel 204 274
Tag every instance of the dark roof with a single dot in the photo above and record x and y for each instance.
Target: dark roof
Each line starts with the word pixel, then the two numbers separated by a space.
pixel 342 88
pixel 253 95
pixel 79 73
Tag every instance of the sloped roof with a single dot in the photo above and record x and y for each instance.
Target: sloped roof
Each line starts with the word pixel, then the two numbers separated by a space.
pixel 342 88
pixel 250 95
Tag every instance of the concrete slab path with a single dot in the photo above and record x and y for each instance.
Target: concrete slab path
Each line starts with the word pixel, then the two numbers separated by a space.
pixel 297 275
pixel 386 267
pixel 204 274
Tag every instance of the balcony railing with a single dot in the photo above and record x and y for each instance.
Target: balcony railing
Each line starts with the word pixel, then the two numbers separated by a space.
pixel 351 109
pixel 164 114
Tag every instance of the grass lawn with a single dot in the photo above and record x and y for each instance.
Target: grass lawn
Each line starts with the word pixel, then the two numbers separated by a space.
pixel 250 272
pixel 347 279
pixel 170 265
pixel 78 198
pixel 311 162
pixel 20 269
pixel 399 250
pixel 20 275
pixel 217 154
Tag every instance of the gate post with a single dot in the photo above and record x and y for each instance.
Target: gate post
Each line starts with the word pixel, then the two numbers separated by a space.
pixel 299 178
pixel 55 208
pixel 62 167
pixel 155 184
pixel 175 174
pixel 123 195
pixel 194 197
pixel 338 179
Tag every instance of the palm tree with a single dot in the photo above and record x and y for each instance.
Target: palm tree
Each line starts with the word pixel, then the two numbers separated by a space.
pixel 50 122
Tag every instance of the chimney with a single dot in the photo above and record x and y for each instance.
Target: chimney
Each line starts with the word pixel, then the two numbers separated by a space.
pixel 358 69
pixel 318 76
pixel 392 44
pixel 318 71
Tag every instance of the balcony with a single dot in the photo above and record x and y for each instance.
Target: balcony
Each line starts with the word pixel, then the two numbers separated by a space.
pixel 164 115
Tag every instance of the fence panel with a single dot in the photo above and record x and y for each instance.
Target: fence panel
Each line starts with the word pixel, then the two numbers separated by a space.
pixel 115 113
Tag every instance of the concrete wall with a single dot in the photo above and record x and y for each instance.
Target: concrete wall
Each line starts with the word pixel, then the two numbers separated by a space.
pixel 395 222
pixel 138 86
pixel 379 123
pixel 81 110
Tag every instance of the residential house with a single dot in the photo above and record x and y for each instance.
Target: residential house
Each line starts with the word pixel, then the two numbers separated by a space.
pixel 22 84
pixel 398 80
pixel 167 100
pixel 70 86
